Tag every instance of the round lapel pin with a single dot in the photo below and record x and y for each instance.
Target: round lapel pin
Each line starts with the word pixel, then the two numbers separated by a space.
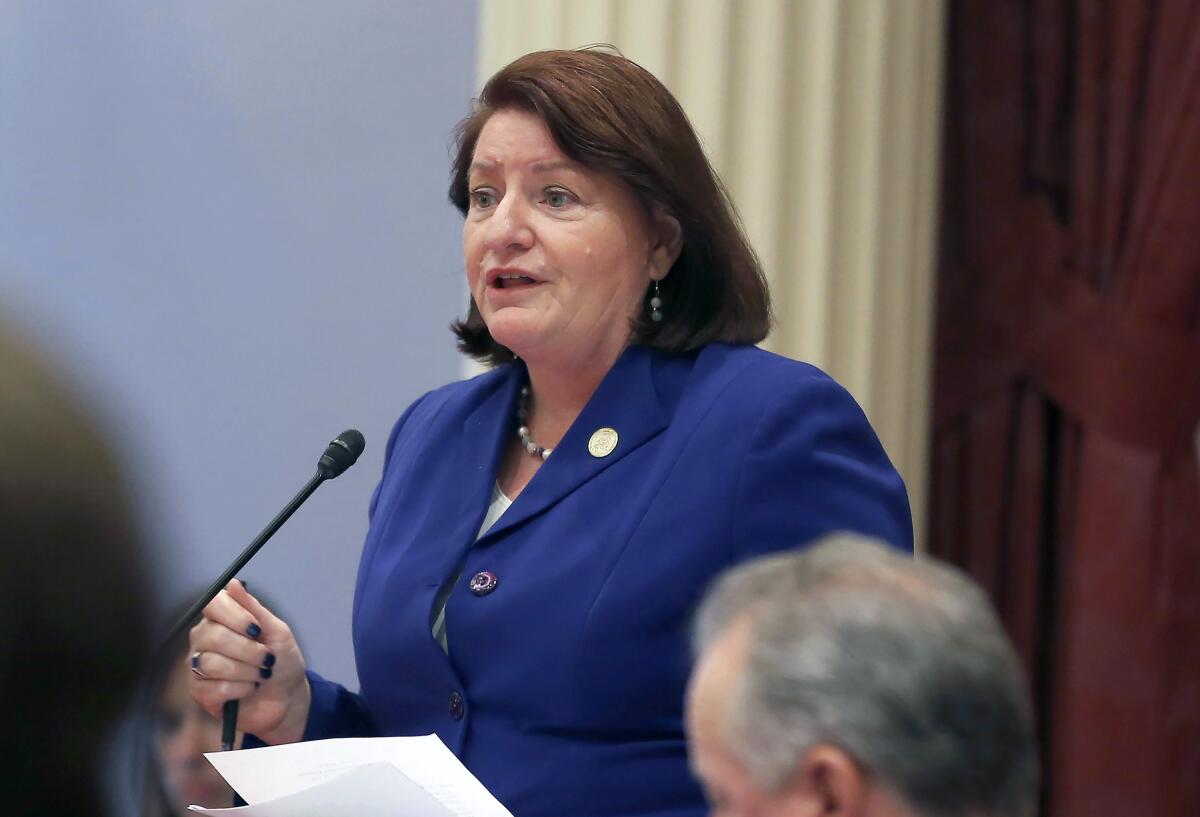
pixel 603 441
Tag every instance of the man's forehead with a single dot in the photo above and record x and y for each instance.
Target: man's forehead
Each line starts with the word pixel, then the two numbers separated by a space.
pixel 715 677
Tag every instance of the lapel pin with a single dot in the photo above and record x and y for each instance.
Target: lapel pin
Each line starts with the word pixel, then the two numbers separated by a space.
pixel 603 441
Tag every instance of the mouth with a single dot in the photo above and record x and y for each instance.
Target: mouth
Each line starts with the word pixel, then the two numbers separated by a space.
pixel 510 279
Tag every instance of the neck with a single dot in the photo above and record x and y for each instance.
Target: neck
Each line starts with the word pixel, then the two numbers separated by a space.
pixel 559 394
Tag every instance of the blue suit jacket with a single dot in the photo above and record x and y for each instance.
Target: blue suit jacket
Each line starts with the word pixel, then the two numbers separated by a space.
pixel 563 689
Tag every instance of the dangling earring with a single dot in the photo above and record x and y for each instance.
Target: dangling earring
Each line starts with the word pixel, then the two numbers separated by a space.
pixel 655 305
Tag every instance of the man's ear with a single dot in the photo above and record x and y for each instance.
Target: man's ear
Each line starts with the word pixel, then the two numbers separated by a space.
pixel 826 783
pixel 667 237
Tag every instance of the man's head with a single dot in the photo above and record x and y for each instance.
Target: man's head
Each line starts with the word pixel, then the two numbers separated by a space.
pixel 849 680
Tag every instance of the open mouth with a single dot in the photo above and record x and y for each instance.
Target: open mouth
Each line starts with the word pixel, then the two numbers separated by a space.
pixel 512 281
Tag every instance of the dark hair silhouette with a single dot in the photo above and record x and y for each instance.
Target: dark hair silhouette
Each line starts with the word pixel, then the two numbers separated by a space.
pixel 73 611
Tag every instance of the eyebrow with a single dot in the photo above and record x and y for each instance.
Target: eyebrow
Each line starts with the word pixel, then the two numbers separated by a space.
pixel 538 167
pixel 555 164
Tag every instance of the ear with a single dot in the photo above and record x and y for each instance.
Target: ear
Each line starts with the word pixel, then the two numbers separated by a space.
pixel 666 238
pixel 827 783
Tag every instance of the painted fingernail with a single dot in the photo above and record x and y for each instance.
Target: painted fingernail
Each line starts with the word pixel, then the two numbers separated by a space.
pixel 264 673
pixel 254 631
pixel 269 661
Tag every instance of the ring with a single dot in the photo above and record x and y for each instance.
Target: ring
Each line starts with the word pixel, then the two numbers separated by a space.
pixel 196 665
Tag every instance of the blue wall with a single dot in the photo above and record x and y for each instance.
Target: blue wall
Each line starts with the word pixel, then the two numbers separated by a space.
pixel 229 220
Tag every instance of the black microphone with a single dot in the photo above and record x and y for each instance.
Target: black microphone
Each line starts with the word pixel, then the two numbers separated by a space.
pixel 341 453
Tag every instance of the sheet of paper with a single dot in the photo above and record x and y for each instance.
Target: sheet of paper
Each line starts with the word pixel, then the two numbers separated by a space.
pixel 273 772
pixel 374 790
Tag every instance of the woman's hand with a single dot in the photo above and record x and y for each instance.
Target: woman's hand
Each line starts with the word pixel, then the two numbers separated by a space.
pixel 245 653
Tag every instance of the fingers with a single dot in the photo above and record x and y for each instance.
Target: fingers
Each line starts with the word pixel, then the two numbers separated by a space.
pixel 211 637
pixel 229 639
pixel 247 653
pixel 273 629
pixel 229 610
pixel 212 695
pixel 217 667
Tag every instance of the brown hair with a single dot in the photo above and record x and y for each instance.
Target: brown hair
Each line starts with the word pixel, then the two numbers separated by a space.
pixel 610 114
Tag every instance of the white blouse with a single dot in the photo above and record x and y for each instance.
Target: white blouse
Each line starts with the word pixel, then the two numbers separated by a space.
pixel 500 503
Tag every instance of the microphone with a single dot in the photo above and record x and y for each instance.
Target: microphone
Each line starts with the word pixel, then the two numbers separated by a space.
pixel 342 452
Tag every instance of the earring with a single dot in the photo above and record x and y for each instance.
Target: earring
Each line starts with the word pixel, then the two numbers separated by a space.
pixel 655 305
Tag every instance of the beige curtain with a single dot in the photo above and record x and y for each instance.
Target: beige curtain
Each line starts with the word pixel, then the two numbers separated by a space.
pixel 822 117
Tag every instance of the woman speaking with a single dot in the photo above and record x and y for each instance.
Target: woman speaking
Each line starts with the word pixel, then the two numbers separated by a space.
pixel 541 532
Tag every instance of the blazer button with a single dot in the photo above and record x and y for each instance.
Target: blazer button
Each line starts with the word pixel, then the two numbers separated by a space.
pixel 456 706
pixel 484 582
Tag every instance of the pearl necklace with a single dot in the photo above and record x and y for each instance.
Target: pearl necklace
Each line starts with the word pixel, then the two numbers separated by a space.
pixel 523 430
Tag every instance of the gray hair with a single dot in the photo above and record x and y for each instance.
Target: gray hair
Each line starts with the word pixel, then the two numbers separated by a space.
pixel 899 662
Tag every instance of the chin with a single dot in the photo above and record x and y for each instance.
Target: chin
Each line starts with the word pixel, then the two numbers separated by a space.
pixel 521 337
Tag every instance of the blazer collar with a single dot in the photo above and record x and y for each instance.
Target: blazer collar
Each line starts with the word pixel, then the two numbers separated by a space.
pixel 626 401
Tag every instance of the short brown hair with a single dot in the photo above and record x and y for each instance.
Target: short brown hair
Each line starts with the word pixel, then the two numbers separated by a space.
pixel 610 114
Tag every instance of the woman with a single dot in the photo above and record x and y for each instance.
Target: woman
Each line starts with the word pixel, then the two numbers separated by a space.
pixel 541 532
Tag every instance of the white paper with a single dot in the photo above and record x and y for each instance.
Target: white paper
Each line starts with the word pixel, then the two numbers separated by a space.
pixel 299 772
pixel 374 790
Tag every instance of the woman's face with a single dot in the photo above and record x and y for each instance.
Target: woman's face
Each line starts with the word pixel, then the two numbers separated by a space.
pixel 185 732
pixel 558 257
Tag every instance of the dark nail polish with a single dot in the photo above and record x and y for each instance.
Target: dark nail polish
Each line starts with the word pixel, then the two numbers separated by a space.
pixel 254 631
pixel 264 673
pixel 269 661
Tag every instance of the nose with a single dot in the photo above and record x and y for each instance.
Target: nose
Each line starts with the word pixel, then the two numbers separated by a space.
pixel 509 226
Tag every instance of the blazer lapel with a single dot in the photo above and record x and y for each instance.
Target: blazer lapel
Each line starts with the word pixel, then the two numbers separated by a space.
pixel 626 402
pixel 477 451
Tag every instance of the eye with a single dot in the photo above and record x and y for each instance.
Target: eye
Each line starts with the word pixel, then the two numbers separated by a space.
pixel 557 198
pixel 482 198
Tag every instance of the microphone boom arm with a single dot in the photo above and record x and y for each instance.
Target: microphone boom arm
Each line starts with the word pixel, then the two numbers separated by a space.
pixel 247 554
pixel 339 455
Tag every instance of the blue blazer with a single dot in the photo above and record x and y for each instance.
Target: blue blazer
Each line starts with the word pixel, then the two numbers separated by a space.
pixel 564 684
